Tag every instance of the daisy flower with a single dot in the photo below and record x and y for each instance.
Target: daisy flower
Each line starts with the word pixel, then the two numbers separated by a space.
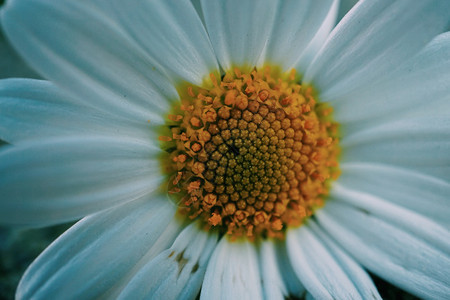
pixel 230 149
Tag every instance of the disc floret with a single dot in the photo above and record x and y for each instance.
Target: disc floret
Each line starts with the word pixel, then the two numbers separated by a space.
pixel 250 155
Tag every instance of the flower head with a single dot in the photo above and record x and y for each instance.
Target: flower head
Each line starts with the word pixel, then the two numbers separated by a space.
pixel 230 149
pixel 250 155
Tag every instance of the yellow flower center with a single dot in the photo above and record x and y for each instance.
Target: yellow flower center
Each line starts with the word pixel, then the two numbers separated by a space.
pixel 251 154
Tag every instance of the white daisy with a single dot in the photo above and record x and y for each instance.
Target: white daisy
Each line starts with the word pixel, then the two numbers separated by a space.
pixel 137 90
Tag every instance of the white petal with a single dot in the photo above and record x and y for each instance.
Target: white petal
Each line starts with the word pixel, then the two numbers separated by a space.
pixel 232 272
pixel 238 29
pixel 419 88
pixel 176 273
pixel 404 219
pixel 293 285
pixel 317 268
pixel 97 252
pixel 36 109
pixel 319 38
pixel 79 47
pixel 344 7
pixel 165 240
pixel 65 179
pixel 420 193
pixel 299 30
pixel 173 34
pixel 373 39
pixel 409 143
pixel 273 284
pixel 353 270
pixel 392 253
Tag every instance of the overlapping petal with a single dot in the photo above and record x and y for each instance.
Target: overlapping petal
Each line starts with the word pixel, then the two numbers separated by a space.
pixel 57 180
pixel 293 285
pixel 392 252
pixel 176 273
pixel 374 39
pixel 38 110
pixel 423 194
pixel 424 228
pixel 172 33
pixel 415 143
pixel 419 88
pixel 238 30
pixel 273 283
pixel 344 7
pixel 104 68
pixel 98 252
pixel 325 270
pixel 252 33
pixel 232 272
pixel 294 39
pixel 353 270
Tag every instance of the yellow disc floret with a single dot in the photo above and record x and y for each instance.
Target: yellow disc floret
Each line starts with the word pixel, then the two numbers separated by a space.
pixel 251 155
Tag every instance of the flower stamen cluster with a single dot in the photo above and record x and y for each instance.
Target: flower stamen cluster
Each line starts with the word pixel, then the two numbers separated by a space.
pixel 252 154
